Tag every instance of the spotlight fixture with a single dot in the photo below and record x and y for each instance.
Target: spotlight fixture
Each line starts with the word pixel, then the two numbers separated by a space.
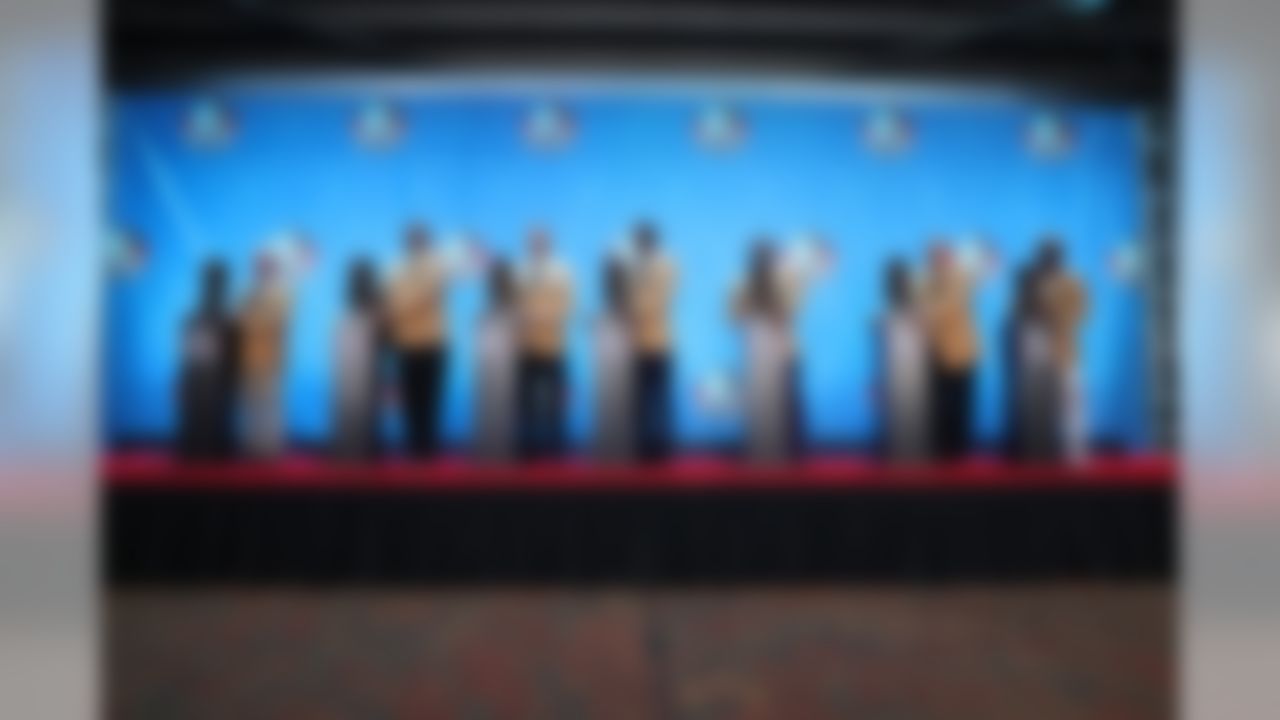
pixel 1086 7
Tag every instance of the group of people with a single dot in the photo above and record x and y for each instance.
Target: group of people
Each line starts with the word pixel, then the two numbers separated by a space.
pixel 931 348
pixel 234 360
pixel 397 330
pixel 521 379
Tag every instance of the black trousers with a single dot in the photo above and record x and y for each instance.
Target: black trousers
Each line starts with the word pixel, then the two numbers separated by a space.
pixel 541 404
pixel 797 435
pixel 207 415
pixel 952 411
pixel 421 382
pixel 652 398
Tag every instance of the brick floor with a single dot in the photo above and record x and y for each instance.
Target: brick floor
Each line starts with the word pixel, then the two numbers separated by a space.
pixel 1036 651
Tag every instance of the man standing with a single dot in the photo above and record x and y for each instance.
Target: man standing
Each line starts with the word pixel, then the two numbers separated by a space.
pixel 545 300
pixel 416 324
pixel 1064 301
pixel 954 350
pixel 263 325
pixel 650 286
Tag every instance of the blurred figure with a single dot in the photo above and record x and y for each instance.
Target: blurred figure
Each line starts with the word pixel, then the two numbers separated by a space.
pixel 545 298
pixel 416 323
pixel 208 384
pixel 1065 304
pixel 954 350
pixel 496 369
pixel 263 324
pixel 1033 385
pixel 765 304
pixel 615 370
pixel 904 370
pixel 359 352
pixel 650 284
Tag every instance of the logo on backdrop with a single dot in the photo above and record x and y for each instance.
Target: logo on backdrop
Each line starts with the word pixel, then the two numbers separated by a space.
pixel 720 127
pixel 888 131
pixel 379 125
pixel 549 125
pixel 1049 136
pixel 209 123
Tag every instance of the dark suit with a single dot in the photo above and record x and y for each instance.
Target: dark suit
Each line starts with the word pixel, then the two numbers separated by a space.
pixel 207 387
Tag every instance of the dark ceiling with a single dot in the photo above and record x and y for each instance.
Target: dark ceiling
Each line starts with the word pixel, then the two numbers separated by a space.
pixel 1101 47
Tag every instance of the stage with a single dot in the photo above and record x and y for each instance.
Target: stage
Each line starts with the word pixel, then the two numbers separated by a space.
pixel 695 519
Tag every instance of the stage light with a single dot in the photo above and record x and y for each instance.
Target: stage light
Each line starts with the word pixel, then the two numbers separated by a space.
pixel 887 131
pixel 549 126
pixel 1087 7
pixel 209 123
pixel 1049 136
pixel 720 127
pixel 379 125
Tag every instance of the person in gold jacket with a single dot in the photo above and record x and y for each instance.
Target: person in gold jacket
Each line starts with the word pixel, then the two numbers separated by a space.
pixel 544 300
pixel 1065 304
pixel 954 348
pixel 650 285
pixel 415 322
pixel 263 324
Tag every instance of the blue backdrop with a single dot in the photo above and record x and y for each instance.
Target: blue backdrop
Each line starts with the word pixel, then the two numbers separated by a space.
pixel 463 165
